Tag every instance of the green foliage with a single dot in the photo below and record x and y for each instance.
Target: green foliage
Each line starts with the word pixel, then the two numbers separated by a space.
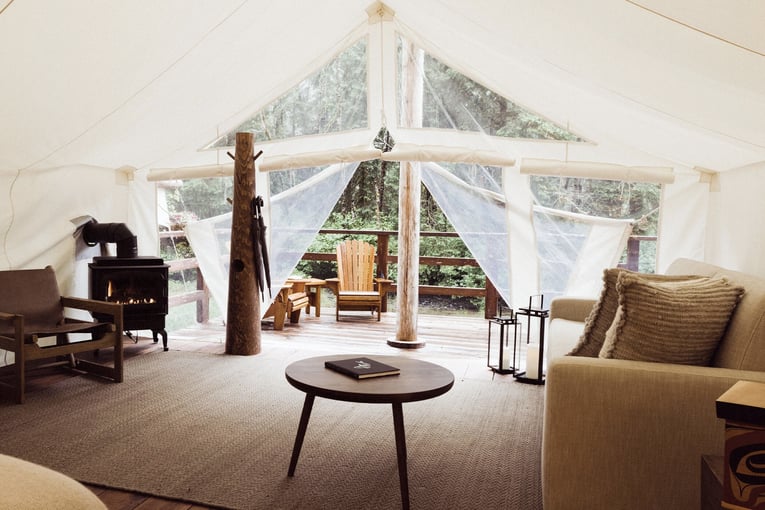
pixel 335 99
pixel 610 199
pixel 369 202
pixel 332 99
pixel 200 199
pixel 454 101
pixel 175 249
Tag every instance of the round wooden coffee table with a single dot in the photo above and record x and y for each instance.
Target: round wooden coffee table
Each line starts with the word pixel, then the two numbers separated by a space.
pixel 419 380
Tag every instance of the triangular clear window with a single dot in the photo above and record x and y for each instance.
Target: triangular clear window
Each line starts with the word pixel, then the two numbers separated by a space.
pixel 331 100
pixel 451 100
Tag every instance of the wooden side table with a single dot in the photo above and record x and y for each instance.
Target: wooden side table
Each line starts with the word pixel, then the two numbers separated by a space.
pixel 711 481
pixel 743 408
pixel 419 380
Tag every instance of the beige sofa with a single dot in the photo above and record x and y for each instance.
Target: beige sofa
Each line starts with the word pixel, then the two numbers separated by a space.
pixel 28 486
pixel 624 434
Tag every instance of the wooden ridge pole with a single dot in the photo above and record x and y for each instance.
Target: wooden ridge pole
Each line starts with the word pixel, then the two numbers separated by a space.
pixel 243 316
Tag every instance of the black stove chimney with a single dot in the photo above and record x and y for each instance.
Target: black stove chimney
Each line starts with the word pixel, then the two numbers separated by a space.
pixel 127 244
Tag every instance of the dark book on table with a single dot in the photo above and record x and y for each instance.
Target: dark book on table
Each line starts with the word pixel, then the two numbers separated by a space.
pixel 361 368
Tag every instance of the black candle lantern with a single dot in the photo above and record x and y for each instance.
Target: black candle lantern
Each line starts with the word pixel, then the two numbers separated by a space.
pixel 534 352
pixel 508 357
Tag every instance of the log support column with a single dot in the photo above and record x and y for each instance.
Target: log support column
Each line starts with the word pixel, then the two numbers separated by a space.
pixel 410 183
pixel 408 257
pixel 243 315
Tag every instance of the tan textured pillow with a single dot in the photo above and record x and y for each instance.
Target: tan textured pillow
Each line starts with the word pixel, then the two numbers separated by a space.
pixel 670 321
pixel 602 315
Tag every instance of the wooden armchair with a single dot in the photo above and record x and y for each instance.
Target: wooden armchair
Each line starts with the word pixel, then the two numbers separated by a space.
pixel 31 308
pixel 356 287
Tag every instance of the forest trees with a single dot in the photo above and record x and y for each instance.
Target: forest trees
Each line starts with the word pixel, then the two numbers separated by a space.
pixel 335 99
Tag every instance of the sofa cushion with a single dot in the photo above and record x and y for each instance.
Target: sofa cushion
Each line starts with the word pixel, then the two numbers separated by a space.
pixel 670 321
pixel 743 346
pixel 566 334
pixel 602 315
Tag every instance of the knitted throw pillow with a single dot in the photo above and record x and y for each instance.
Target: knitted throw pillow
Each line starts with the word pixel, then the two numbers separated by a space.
pixel 602 315
pixel 670 321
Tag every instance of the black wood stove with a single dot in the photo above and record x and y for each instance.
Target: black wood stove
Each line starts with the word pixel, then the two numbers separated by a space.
pixel 138 282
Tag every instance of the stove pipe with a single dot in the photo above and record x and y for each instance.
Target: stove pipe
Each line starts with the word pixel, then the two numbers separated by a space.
pixel 127 244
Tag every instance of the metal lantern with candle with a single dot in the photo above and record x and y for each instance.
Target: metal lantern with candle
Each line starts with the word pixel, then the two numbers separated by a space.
pixel 508 356
pixel 536 311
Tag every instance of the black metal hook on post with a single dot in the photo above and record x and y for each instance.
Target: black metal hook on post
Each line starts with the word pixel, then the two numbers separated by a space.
pixel 253 158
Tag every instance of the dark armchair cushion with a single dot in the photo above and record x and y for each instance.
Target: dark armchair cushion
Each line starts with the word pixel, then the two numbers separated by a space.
pixel 34 294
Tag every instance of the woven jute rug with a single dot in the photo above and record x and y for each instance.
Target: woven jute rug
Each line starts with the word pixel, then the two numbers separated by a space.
pixel 219 430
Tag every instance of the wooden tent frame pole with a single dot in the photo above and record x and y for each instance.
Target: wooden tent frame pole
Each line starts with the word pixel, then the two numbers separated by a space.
pixel 243 316
pixel 410 183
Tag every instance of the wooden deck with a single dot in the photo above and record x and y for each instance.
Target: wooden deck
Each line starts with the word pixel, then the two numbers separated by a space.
pixel 457 342
pixel 451 336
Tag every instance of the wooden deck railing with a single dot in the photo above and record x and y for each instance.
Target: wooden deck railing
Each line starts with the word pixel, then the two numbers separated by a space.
pixel 633 251
pixel 385 259
pixel 202 294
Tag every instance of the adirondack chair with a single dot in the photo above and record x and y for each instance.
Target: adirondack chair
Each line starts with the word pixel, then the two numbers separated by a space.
pixel 32 309
pixel 356 287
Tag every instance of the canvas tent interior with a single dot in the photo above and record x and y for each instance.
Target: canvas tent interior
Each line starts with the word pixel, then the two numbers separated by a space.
pixel 104 99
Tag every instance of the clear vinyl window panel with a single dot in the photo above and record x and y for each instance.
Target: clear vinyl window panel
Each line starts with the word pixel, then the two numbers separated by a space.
pixel 568 251
pixel 291 227
pixel 331 100
pixel 636 202
pixel 452 100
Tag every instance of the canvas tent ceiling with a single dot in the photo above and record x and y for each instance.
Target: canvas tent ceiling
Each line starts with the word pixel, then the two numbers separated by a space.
pixel 147 83
pixel 98 90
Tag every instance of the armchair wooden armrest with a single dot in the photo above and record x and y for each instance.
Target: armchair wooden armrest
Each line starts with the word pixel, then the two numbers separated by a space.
pixel 333 284
pixel 95 306
pixel 8 316
pixel 383 284
pixel 8 343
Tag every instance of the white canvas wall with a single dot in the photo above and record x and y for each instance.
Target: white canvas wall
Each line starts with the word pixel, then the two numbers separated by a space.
pixel 736 236
pixel 97 86
pixel 36 227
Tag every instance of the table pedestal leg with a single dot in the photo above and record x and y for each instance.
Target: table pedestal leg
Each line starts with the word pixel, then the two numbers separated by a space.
pixel 307 406
pixel 398 427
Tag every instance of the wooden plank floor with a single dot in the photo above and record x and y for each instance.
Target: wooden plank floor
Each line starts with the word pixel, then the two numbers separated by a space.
pixel 457 342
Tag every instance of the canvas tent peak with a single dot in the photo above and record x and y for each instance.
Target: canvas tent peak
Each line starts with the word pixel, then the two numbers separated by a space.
pixel 708 115
pixel 379 11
